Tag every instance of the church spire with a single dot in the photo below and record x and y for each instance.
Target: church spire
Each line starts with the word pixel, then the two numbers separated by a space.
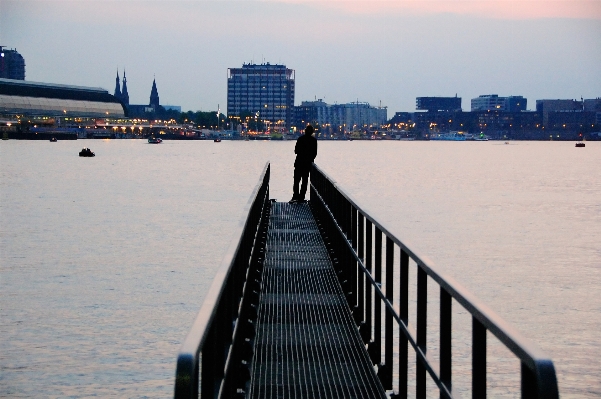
pixel 117 87
pixel 154 95
pixel 124 93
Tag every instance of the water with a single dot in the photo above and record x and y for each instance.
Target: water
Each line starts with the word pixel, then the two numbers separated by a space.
pixel 104 261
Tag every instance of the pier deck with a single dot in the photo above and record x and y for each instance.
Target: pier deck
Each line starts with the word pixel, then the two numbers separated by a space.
pixel 307 343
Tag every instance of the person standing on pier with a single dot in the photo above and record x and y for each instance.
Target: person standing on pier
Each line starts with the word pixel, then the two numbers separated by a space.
pixel 306 151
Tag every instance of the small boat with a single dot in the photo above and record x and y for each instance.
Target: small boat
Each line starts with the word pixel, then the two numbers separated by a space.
pixel 155 140
pixel 217 140
pixel 580 144
pixel 86 152
pixel 53 140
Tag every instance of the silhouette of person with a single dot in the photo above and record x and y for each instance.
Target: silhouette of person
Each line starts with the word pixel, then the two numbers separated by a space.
pixel 306 151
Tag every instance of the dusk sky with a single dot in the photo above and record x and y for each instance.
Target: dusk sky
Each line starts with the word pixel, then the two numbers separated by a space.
pixel 386 51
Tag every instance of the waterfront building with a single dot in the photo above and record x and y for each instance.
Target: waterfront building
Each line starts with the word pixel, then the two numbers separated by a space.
pixel 492 102
pixel 35 110
pixel 19 98
pixel 434 104
pixel 265 91
pixel 12 64
pixel 592 105
pixel 339 118
pixel 547 107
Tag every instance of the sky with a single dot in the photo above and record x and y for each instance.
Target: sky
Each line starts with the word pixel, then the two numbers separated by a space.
pixel 382 52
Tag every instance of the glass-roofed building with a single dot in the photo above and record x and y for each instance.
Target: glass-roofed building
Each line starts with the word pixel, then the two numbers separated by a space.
pixel 20 98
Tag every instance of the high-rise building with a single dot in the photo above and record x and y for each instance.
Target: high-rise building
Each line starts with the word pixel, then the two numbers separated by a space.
pixel 12 64
pixel 492 102
pixel 265 90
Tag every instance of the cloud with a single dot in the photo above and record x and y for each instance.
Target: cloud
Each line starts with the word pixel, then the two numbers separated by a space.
pixel 498 9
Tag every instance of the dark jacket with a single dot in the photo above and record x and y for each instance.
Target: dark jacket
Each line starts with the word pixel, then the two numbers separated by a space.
pixel 305 150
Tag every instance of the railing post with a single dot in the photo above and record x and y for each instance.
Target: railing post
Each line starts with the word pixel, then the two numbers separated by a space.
pixel 404 315
pixel 208 371
pixel 478 359
pixel 422 316
pixel 361 276
pixel 377 344
pixel 445 340
pixel 388 335
pixel 528 382
pixel 368 291
pixel 354 264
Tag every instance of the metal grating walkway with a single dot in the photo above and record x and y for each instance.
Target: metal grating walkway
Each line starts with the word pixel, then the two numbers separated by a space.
pixel 307 344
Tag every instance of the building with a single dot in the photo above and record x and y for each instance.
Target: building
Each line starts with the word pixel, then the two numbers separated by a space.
pixel 265 91
pixel 153 109
pixel 548 107
pixel 154 96
pixel 492 102
pixel 121 94
pixel 594 105
pixel 176 108
pixel 12 64
pixel 339 118
pixel 19 98
pixel 434 104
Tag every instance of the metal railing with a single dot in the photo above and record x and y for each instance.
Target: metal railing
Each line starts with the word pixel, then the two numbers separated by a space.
pixel 356 243
pixel 213 351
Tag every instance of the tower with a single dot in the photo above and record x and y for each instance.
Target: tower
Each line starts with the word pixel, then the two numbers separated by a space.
pixel 124 94
pixel 118 86
pixel 12 64
pixel 154 96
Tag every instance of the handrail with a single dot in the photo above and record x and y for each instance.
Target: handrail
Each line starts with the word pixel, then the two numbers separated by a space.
pixel 213 332
pixel 348 228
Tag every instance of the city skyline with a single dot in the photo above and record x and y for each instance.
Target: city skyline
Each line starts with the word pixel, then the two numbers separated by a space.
pixel 389 52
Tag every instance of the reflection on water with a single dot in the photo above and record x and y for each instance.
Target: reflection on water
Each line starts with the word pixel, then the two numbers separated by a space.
pixel 105 261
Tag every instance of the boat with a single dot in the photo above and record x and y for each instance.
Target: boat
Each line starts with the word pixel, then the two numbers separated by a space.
pixel 155 140
pixel 580 144
pixel 53 140
pixel 86 152
pixel 450 136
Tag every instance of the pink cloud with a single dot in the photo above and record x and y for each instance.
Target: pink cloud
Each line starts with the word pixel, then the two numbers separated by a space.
pixel 500 9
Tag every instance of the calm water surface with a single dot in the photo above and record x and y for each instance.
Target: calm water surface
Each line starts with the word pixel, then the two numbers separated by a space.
pixel 104 261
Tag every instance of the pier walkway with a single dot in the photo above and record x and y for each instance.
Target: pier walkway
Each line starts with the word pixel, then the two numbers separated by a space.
pixel 320 300
pixel 307 343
